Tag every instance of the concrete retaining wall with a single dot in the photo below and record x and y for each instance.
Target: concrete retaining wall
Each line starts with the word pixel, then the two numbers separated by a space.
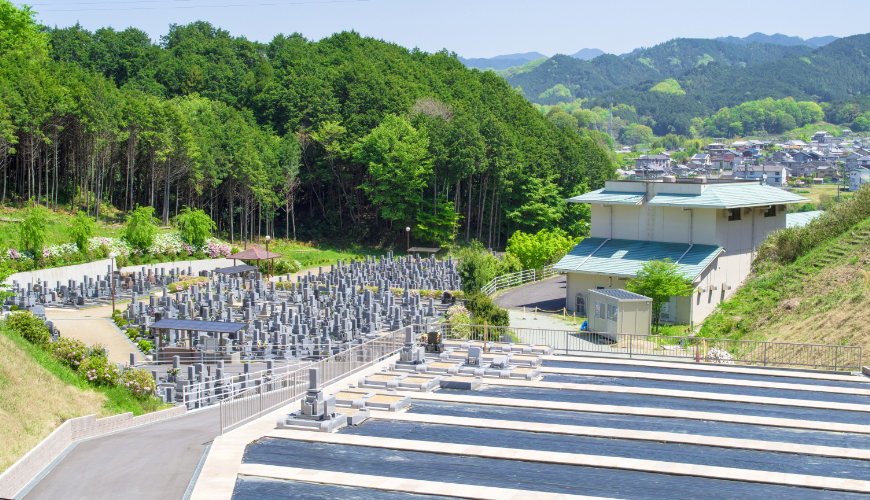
pixel 30 465
pixel 101 267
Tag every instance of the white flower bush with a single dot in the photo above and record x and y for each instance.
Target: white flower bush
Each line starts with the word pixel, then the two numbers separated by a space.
pixel 164 243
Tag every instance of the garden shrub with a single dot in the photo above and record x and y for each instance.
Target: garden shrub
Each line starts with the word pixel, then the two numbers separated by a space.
pixel 195 226
pixel 13 308
pixel 141 228
pixel 139 382
pixel 70 352
pixel 145 345
pixel 132 333
pixel 33 229
pixel 476 268
pixel 99 371
pixel 82 228
pixel 30 327
pixel 459 315
pixel 483 309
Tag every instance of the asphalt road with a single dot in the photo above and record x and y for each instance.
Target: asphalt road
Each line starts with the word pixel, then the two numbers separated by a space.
pixel 153 461
pixel 547 295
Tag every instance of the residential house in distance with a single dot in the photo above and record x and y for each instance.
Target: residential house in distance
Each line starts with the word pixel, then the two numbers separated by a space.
pixel 828 172
pixel 711 228
pixel 773 174
pixel 858 178
pixel 716 148
pixel 702 159
pixel 855 161
pixel 822 137
pixel 651 166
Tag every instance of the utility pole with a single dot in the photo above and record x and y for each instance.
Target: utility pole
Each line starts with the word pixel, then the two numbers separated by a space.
pixel 610 122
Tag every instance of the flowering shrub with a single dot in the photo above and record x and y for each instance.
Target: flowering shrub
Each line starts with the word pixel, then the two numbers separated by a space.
pixel 30 327
pixel 12 254
pixel 117 245
pixel 215 248
pixel 717 355
pixel 185 282
pixel 99 371
pixel 70 352
pixel 139 382
pixel 459 315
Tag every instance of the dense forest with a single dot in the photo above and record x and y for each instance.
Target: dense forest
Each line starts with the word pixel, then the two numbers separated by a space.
pixel 347 138
pixel 585 79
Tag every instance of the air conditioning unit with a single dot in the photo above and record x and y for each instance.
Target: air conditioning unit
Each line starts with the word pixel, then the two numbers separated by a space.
pixel 726 286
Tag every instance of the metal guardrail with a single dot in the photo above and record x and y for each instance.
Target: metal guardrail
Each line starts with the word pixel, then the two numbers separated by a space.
pixel 518 278
pixel 699 349
pixel 280 390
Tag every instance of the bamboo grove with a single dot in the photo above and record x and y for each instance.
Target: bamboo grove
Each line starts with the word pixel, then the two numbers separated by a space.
pixel 347 138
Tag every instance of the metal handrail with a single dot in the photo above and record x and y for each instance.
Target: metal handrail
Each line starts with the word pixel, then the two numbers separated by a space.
pixel 254 402
pixel 698 349
pixel 518 278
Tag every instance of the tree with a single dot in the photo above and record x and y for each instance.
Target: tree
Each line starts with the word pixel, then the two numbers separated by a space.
pixel 32 230
pixel 660 280
pixel 396 156
pixel 195 226
pixel 82 229
pixel 141 228
pixel 476 268
pixel 536 250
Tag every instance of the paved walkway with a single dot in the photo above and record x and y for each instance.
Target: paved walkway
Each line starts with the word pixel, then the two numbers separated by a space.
pixel 546 295
pixel 155 461
pixel 93 326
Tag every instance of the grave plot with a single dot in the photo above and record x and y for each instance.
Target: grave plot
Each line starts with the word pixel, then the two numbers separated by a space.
pixel 536 440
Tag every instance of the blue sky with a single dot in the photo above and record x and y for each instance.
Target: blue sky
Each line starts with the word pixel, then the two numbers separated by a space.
pixel 476 28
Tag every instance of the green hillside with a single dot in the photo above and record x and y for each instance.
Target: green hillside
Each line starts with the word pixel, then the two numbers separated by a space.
pixel 808 285
pixel 607 72
pixel 291 138
pixel 838 71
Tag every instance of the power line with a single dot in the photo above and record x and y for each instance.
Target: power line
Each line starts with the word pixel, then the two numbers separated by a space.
pixel 197 6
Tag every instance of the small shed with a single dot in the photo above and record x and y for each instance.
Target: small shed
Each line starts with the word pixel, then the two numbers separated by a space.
pixel 619 311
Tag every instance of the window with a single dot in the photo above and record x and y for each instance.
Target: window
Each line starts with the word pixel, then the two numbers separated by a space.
pixel 598 314
pixel 612 312
pixel 770 212
pixel 733 214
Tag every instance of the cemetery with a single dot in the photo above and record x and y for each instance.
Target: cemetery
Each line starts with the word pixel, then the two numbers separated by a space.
pixel 224 331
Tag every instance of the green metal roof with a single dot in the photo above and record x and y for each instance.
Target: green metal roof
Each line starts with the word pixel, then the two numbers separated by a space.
pixel 729 196
pixel 801 219
pixel 624 258
pixel 605 196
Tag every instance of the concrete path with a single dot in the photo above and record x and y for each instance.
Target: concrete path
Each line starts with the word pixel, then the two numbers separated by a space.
pixel 547 295
pixel 155 461
pixel 93 326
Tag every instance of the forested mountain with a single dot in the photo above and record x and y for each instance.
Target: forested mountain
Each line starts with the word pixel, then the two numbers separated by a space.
pixel 501 62
pixel 778 39
pixel 348 137
pixel 563 79
pixel 831 73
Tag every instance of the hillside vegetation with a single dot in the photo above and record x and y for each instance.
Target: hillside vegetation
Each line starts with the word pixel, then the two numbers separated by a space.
pixel 349 139
pixel 608 72
pixel 809 285
pixel 830 74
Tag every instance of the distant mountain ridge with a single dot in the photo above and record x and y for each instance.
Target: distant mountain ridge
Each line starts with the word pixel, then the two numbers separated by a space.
pixel 778 39
pixel 512 60
pixel 586 79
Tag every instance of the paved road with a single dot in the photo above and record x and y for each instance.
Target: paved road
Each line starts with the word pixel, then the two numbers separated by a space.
pixel 547 295
pixel 92 326
pixel 153 461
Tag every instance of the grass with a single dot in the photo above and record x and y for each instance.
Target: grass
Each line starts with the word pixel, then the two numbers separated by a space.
pixel 311 255
pixel 820 298
pixel 38 393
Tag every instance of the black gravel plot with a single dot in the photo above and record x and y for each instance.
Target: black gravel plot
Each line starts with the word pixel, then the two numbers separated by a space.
pixel 623 448
pixel 716 389
pixel 641 423
pixel 258 488
pixel 591 481
pixel 671 403
pixel 688 371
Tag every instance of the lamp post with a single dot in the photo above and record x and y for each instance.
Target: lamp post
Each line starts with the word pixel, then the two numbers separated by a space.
pixel 408 232
pixel 269 238
pixel 112 256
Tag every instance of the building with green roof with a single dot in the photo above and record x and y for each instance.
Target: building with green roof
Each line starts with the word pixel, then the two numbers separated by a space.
pixel 710 227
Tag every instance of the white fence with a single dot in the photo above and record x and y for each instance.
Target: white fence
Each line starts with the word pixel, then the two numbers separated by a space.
pixel 518 278
pixel 253 403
